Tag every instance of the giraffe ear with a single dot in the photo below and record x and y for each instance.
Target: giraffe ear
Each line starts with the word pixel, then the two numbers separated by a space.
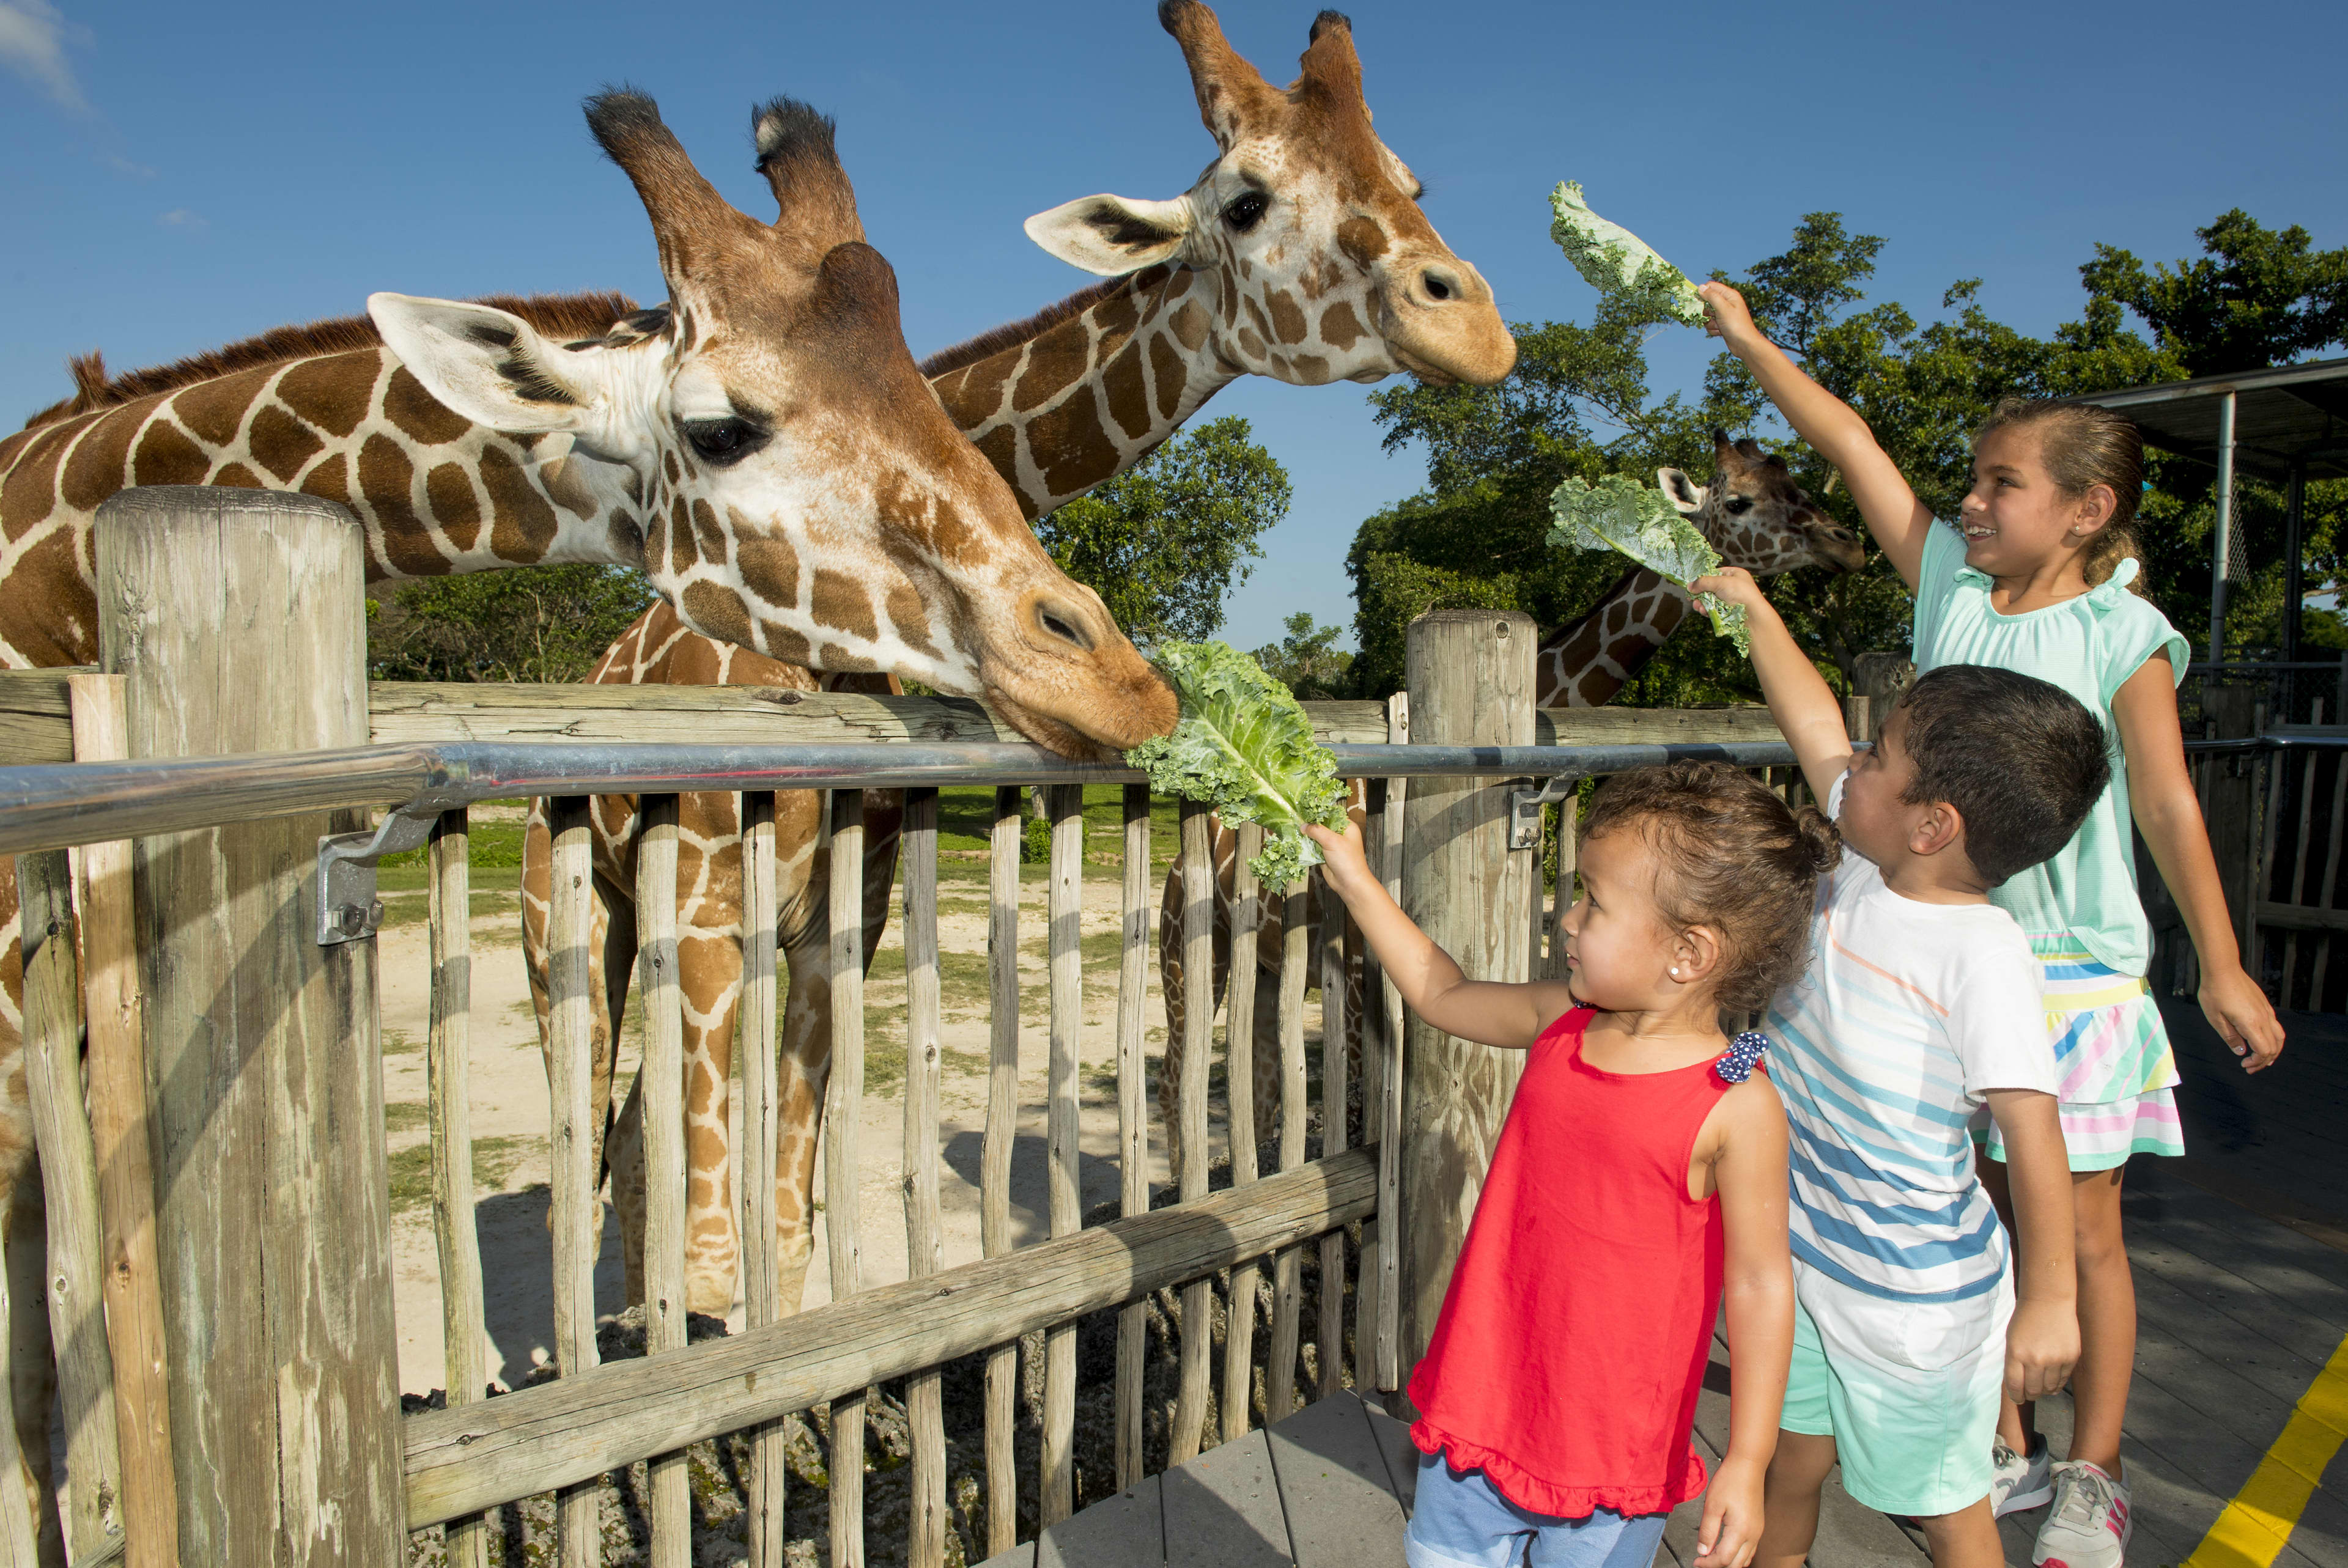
pixel 486 364
pixel 1112 235
pixel 1685 492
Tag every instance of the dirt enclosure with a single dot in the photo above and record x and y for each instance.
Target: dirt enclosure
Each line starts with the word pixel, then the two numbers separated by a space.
pixel 509 1112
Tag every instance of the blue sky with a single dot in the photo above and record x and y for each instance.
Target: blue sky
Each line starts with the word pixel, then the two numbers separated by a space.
pixel 180 175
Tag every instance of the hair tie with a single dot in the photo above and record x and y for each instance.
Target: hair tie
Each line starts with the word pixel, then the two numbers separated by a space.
pixel 1742 1055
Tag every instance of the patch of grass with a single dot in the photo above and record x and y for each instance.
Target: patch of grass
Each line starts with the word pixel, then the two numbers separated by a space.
pixel 399 1116
pixel 494 1160
pixel 396 1042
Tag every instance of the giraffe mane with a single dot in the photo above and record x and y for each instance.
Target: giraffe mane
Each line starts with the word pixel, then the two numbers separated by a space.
pixel 1011 335
pixel 559 316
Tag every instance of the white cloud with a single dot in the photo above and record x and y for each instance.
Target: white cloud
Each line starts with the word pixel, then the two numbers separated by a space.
pixel 33 45
pixel 121 165
pixel 182 217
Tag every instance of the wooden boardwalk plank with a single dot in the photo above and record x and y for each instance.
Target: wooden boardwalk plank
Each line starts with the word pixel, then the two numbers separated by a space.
pixel 1126 1531
pixel 1401 1455
pixel 1223 1509
pixel 1334 1486
pixel 2172 1512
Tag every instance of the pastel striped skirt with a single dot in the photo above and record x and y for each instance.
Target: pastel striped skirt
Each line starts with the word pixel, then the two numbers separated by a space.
pixel 2112 1054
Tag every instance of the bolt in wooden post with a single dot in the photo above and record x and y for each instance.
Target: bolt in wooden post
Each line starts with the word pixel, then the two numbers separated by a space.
pixel 1471 684
pixel 236 616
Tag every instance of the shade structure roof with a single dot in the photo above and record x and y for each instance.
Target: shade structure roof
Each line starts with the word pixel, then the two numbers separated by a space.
pixel 2298 413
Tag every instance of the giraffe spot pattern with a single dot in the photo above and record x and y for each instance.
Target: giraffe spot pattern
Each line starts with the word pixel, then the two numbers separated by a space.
pixel 166 456
pixel 1071 450
pixel 213 411
pixel 280 443
pixel 716 611
pixel 1287 317
pixel 1128 397
pixel 1055 362
pixel 1000 447
pixel 1309 369
pixel 1166 367
pixel 1339 328
pixel 767 565
pixel 418 415
pixel 707 534
pixel 524 525
pixel 681 553
pixel 1361 241
pixel 910 618
pixel 29 493
pixel 1251 344
pixel 237 477
pixel 100 461
pixel 449 490
pixel 387 485
pixel 333 394
pixel 1189 324
pixel 841 602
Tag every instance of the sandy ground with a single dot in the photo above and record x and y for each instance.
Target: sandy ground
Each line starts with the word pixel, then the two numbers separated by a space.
pixel 509 1110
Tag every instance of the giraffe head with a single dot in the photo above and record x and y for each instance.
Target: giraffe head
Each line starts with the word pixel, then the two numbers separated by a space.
pixel 802 492
pixel 1756 516
pixel 1326 268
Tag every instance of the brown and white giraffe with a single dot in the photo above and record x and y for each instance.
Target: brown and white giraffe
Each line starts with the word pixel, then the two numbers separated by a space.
pixel 1301 253
pixel 763 446
pixel 1756 516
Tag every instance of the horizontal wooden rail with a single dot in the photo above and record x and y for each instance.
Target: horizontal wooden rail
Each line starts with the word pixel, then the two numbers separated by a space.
pixel 36 726
pixel 464 1460
pixel 2300 917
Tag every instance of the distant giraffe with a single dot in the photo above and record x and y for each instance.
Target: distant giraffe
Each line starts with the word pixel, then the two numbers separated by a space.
pixel 762 446
pixel 1756 516
pixel 1299 254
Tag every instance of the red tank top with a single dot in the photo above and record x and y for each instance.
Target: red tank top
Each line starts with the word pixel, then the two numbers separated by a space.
pixel 1573 1338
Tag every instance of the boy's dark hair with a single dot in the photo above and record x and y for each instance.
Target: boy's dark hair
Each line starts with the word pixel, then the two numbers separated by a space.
pixel 1736 859
pixel 2020 759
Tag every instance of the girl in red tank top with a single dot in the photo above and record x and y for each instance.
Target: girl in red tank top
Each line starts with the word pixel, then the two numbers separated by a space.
pixel 1639 1179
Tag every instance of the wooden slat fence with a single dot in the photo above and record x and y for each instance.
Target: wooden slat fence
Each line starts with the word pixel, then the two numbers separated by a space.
pixel 1321 1228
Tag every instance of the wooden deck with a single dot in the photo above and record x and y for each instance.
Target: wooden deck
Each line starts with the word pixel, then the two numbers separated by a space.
pixel 2242 1268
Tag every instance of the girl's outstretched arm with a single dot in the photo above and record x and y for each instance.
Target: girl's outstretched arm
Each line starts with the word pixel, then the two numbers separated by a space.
pixel 1488 1011
pixel 1899 521
pixel 1805 710
pixel 1758 1292
pixel 2161 798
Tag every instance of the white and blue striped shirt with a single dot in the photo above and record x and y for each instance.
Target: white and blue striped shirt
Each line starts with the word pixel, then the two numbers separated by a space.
pixel 1908 1015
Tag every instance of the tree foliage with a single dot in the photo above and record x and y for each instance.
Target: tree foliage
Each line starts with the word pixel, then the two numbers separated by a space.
pixel 1580 404
pixel 530 623
pixel 1164 542
pixel 1307 661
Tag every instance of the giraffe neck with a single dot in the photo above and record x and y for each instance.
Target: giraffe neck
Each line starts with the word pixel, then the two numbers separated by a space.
pixel 1066 404
pixel 1585 664
pixel 435 492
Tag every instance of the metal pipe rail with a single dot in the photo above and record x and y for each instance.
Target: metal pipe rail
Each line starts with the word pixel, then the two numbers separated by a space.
pixel 51 806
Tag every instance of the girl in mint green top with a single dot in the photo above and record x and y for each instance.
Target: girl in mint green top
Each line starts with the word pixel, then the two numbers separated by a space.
pixel 2037 575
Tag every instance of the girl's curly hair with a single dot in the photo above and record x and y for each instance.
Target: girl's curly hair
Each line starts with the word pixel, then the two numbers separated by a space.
pixel 1736 859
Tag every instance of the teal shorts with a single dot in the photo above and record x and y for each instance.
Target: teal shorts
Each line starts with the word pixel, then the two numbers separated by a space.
pixel 1907 1390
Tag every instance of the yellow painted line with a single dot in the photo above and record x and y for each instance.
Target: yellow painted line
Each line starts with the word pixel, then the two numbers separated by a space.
pixel 2255 1526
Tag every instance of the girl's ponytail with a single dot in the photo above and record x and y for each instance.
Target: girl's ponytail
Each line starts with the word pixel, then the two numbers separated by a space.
pixel 2084 446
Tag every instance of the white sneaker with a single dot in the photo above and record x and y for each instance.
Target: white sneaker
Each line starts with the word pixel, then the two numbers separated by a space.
pixel 2017 1483
pixel 2090 1524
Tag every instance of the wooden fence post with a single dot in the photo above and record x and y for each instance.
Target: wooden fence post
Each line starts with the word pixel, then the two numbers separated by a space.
pixel 2233 708
pixel 236 617
pixel 1471 684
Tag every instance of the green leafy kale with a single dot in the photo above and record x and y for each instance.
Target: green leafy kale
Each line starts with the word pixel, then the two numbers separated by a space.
pixel 1245 747
pixel 1616 261
pixel 1619 513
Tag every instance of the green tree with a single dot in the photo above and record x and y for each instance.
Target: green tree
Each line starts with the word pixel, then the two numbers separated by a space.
pixel 532 623
pixel 2257 296
pixel 1307 661
pixel 1164 542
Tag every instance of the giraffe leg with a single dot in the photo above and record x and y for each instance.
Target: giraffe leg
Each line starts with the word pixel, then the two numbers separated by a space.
pixel 803 1065
pixel 1171 981
pixel 709 972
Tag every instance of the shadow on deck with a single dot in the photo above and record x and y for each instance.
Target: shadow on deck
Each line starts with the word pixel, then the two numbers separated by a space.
pixel 2240 1254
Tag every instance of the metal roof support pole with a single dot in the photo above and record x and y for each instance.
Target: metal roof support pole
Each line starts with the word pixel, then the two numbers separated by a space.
pixel 2294 586
pixel 2221 564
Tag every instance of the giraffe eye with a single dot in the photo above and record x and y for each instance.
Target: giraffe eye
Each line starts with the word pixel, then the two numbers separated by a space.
pixel 1246 210
pixel 723 441
pixel 1736 505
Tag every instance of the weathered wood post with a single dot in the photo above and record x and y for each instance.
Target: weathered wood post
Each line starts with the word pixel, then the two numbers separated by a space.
pixel 236 617
pixel 1471 684
pixel 2234 802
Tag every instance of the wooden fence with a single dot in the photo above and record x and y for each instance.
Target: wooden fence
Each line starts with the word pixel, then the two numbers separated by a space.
pixel 219 1228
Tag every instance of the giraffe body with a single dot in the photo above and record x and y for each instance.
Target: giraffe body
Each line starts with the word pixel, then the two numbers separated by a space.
pixel 763 446
pixel 1299 254
pixel 1756 516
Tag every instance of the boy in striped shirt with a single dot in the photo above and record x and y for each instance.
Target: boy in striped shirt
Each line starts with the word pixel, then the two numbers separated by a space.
pixel 1919 1009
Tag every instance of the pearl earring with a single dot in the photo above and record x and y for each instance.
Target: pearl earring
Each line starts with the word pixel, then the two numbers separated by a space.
pixel 1675 971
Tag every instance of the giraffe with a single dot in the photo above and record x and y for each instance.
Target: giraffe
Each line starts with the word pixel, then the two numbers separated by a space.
pixel 1299 253
pixel 762 446
pixel 1756 516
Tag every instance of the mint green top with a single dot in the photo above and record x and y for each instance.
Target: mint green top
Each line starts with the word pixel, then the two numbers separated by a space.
pixel 2088 646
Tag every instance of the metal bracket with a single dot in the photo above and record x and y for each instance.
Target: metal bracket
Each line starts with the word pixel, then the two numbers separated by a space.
pixel 1524 809
pixel 348 908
